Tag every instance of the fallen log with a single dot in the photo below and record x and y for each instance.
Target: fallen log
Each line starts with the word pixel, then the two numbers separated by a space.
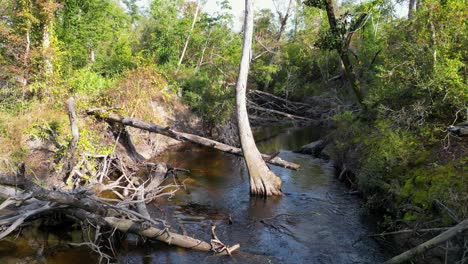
pixel 95 211
pixel 181 136
pixel 460 130
pixel 278 98
pixel 451 232
pixel 406 231
pixel 290 116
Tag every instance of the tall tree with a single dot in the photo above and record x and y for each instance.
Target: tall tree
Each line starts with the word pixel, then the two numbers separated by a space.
pixel 195 16
pixel 47 12
pixel 283 19
pixel 340 40
pixel 263 181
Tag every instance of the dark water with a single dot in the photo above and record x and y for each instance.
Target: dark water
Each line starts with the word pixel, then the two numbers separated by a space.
pixel 316 221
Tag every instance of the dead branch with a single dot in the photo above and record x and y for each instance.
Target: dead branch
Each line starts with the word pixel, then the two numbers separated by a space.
pixel 97 212
pixel 406 231
pixel 450 233
pixel 181 136
pixel 259 108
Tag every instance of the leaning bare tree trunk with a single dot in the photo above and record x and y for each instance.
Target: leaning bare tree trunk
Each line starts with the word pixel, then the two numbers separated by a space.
pixel 195 16
pixel 262 181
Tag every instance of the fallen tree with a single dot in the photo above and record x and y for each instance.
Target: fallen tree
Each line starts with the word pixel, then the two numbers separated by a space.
pixel 29 199
pixel 460 130
pixel 291 116
pixel 181 136
pixel 450 233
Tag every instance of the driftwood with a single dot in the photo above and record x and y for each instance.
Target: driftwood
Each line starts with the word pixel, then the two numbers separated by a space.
pixel 82 205
pixel 450 233
pixel 181 136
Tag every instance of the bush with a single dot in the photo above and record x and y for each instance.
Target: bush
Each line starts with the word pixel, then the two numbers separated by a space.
pixel 86 81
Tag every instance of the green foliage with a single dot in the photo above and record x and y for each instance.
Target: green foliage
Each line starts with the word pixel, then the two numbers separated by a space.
pixel 86 81
pixel 389 151
pixel 207 97
pixel 425 62
pixel 94 27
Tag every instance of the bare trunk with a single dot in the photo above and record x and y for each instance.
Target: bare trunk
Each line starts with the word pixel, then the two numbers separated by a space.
pixel 200 62
pixel 45 49
pixel 28 47
pixel 195 16
pixel 433 44
pixel 92 58
pixel 22 78
pixel 262 181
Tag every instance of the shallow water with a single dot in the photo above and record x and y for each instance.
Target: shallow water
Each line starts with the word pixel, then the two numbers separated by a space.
pixel 315 221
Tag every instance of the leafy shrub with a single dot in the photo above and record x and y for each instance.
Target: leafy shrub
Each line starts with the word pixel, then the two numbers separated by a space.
pixel 86 81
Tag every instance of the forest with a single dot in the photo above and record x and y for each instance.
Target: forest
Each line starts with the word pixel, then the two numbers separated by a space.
pixel 178 131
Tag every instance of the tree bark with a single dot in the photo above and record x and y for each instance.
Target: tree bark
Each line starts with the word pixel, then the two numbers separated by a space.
pixel 195 16
pixel 263 182
pixel 181 136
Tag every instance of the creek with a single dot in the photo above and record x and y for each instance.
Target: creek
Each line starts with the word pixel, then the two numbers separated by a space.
pixel 315 221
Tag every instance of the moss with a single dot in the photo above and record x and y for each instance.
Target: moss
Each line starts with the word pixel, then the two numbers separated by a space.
pixel 427 184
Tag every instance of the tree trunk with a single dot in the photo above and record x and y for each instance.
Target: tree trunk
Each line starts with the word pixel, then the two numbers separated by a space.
pixel 195 16
pixel 92 57
pixel 46 31
pixel 411 7
pixel 263 182
pixel 45 50
pixel 69 159
pixel 343 50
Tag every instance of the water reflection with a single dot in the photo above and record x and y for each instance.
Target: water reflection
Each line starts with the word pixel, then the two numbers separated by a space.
pixel 315 221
